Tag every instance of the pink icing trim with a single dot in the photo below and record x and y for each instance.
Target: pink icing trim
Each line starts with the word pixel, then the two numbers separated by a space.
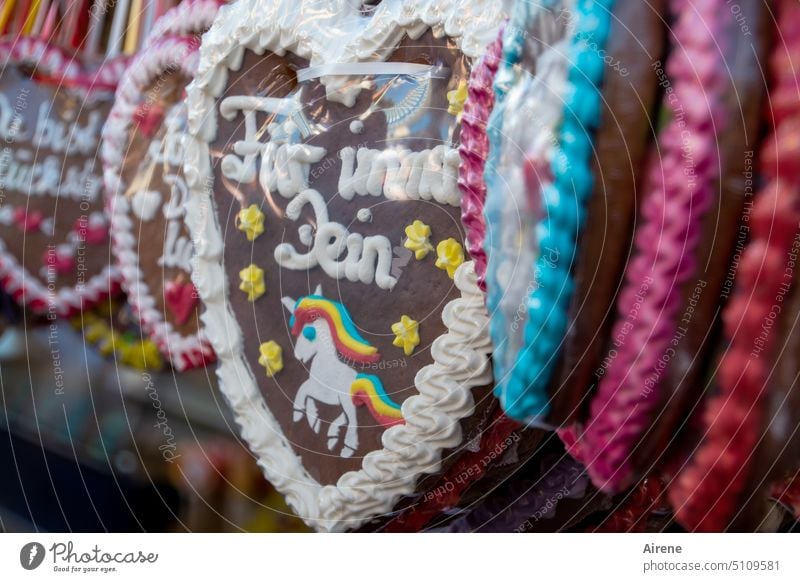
pixel 474 150
pixel 665 245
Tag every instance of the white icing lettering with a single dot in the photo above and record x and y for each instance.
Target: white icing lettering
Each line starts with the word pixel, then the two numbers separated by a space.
pixel 340 254
pixel 60 137
pixel 400 174
pixel 284 166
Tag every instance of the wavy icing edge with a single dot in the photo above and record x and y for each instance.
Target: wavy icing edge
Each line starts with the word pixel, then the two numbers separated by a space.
pixel 523 392
pixel 461 355
pixel 509 207
pixel 672 212
pixel 190 17
pixel 474 150
pixel 14 278
pixel 170 54
pixel 706 492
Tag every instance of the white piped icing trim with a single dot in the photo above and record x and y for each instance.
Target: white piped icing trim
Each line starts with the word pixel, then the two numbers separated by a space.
pixel 14 279
pixel 190 17
pixel 172 54
pixel 461 355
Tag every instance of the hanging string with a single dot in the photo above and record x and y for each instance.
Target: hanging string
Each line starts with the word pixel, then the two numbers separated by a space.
pixel 6 13
pixel 49 25
pixel 23 9
pixel 117 28
pixel 132 31
pixel 31 17
pixel 97 18
pixel 41 15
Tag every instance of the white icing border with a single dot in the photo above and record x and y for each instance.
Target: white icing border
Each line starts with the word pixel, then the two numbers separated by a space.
pixel 23 287
pixel 461 356
pixel 190 17
pixel 171 54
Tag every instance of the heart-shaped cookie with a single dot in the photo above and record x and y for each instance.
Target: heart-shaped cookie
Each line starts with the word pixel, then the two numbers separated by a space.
pixel 53 230
pixel 351 333
pixel 146 191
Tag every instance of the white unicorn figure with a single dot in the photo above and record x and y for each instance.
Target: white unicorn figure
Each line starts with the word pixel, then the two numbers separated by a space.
pixel 325 331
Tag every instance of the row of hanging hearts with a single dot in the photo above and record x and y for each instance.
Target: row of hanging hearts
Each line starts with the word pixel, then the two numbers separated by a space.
pixel 62 102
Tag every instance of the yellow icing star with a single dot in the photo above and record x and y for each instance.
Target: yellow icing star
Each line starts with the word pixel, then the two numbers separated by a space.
pixel 456 98
pixel 271 357
pixel 252 282
pixel 417 241
pixel 143 355
pixel 407 334
pixel 449 256
pixel 251 222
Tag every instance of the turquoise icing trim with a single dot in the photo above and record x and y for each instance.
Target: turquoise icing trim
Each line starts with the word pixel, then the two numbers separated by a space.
pixel 524 394
pixel 379 390
pixel 513 45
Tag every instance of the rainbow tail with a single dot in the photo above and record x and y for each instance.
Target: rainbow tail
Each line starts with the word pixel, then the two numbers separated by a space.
pixel 367 390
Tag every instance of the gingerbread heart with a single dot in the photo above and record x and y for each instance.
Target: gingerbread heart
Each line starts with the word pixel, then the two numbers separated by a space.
pixel 351 332
pixel 53 229
pixel 143 158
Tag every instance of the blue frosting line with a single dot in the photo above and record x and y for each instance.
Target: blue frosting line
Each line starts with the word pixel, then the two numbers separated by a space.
pixel 524 394
pixel 513 44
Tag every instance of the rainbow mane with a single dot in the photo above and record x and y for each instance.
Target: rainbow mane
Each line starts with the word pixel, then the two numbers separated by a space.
pixel 348 341
pixel 367 390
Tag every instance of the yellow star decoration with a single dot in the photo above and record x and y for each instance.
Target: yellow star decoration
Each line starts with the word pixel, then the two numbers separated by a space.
pixel 271 357
pixel 407 334
pixel 252 282
pixel 251 222
pixel 456 99
pixel 143 355
pixel 449 256
pixel 418 233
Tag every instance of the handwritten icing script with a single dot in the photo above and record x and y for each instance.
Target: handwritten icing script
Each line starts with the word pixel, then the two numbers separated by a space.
pixel 395 173
pixel 169 152
pixel 35 165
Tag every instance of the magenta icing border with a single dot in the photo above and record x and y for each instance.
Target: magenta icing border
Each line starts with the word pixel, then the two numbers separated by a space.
pixel 175 54
pixel 474 149
pixel 672 213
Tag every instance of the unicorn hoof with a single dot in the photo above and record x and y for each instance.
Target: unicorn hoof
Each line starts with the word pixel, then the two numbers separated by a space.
pixel 332 442
pixel 347 452
pixel 298 414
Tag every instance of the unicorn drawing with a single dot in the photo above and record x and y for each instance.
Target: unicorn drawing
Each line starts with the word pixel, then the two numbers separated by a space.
pixel 328 338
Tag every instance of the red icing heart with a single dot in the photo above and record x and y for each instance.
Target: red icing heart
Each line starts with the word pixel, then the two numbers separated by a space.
pixel 180 299
pixel 62 262
pixel 91 232
pixel 27 221
pixel 148 116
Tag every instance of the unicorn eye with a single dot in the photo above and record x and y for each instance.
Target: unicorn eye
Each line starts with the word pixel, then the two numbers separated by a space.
pixel 309 333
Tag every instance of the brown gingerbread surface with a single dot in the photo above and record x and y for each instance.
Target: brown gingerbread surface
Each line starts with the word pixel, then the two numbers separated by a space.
pixel 53 223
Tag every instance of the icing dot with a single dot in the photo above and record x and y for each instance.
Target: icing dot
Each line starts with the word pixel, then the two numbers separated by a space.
pixel 364 215
pixel 306 235
pixel 357 126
